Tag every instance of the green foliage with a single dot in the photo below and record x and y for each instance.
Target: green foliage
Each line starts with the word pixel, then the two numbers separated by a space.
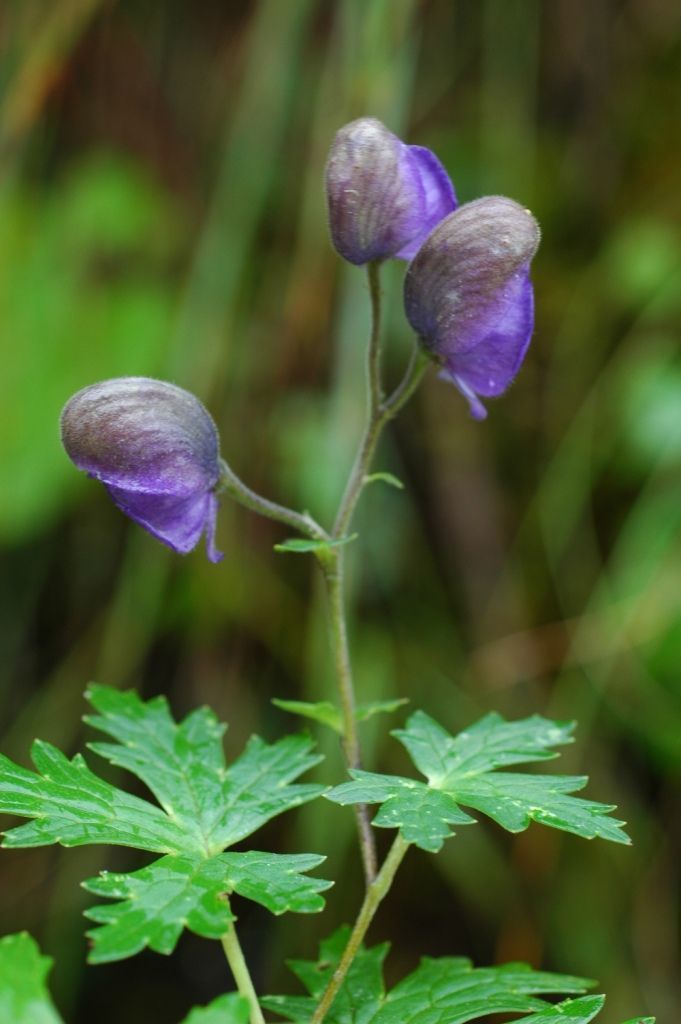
pixel 24 998
pixel 205 807
pixel 572 1011
pixel 300 546
pixel 322 711
pixel 462 770
pixel 386 478
pixel 442 991
pixel 575 1011
pixel 326 713
pixel 229 1009
pixel 184 767
pixel 379 707
pixel 157 902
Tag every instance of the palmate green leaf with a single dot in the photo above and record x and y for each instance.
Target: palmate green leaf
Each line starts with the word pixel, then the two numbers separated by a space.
pixel 24 998
pixel 72 806
pixel 158 901
pixel 462 771
pixel 206 806
pixel 229 1009
pixel 443 991
pixel 184 767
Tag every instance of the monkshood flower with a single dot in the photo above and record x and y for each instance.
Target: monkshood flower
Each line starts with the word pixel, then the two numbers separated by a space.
pixel 469 298
pixel 384 197
pixel 155 448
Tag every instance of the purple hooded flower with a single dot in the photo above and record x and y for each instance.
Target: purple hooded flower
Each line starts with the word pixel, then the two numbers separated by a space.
pixel 384 197
pixel 469 297
pixel 155 448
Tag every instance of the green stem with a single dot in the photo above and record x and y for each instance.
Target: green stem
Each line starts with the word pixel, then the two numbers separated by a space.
pixel 333 576
pixel 380 412
pixel 374 896
pixel 379 416
pixel 370 438
pixel 242 977
pixel 230 483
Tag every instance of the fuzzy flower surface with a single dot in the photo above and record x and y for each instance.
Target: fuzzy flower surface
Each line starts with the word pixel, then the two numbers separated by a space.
pixel 469 297
pixel 155 448
pixel 384 197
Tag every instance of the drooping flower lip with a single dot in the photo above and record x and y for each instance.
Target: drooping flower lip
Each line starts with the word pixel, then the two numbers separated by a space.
pixel 384 197
pixel 469 297
pixel 155 448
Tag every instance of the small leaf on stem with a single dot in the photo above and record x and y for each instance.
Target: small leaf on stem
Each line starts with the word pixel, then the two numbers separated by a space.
pixel 326 713
pixel 363 712
pixel 302 546
pixel 386 478
pixel 321 711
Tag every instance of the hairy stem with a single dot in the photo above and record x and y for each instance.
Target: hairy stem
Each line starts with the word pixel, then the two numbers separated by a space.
pixel 230 483
pixel 374 896
pixel 242 977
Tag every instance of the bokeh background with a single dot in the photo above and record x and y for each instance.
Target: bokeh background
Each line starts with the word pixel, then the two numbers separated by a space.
pixel 162 213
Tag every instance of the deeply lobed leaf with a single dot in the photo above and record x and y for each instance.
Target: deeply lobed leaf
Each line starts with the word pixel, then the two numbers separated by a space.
pixel 441 991
pixel 206 806
pixel 72 806
pixel 157 902
pixel 184 767
pixel 462 771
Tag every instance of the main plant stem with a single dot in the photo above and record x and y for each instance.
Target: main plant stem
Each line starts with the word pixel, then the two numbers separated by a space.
pixel 380 412
pixel 242 977
pixel 374 896
pixel 333 575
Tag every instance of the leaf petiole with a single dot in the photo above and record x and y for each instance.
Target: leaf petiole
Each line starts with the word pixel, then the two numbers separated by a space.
pixel 242 976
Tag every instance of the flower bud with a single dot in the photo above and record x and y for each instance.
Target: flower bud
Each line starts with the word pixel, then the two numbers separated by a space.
pixel 384 197
pixel 469 297
pixel 155 448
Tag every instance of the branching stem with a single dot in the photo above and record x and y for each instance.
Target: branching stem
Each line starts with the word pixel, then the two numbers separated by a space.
pixel 380 412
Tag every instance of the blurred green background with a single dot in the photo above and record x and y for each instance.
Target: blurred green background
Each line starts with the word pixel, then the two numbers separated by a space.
pixel 162 213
